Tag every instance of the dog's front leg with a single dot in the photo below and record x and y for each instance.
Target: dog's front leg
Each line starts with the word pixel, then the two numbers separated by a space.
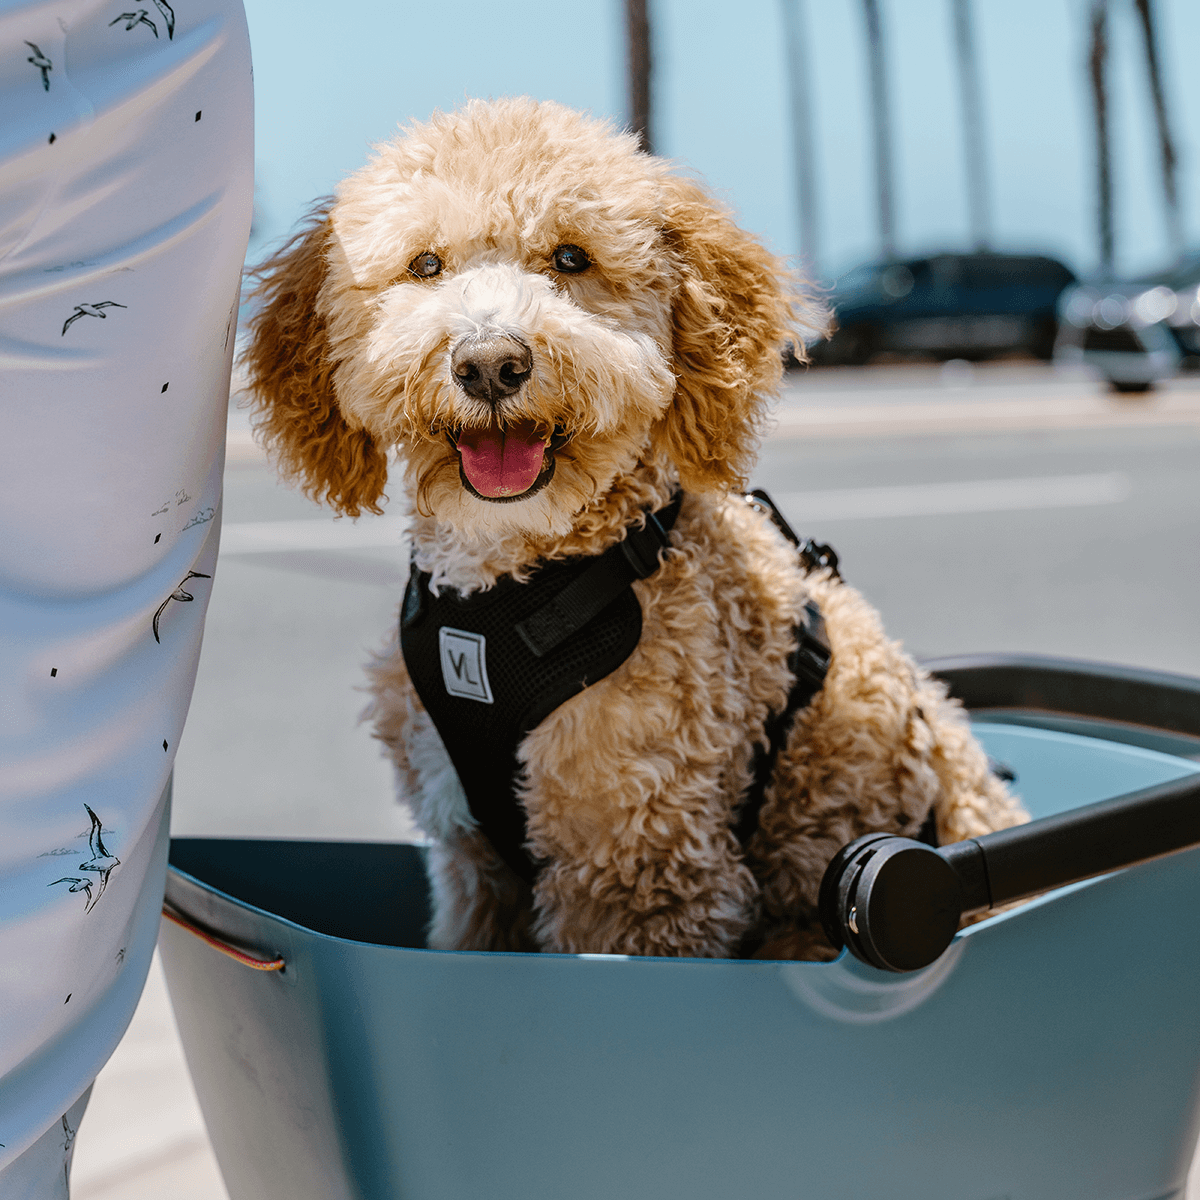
pixel 477 902
pixel 685 900
pixel 633 873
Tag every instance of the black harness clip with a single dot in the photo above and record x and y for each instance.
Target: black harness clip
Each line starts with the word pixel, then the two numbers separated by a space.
pixel 814 556
pixel 641 547
pixel 809 661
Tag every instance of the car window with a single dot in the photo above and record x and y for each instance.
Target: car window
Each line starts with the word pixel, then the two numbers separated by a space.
pixel 946 270
pixel 1045 272
pixel 986 272
pixel 1182 275
pixel 1186 275
pixel 896 281
pixel 859 277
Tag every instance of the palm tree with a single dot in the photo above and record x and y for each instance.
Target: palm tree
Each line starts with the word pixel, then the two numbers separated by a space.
pixel 880 128
pixel 803 153
pixel 974 144
pixel 641 67
pixel 1166 143
pixel 1098 72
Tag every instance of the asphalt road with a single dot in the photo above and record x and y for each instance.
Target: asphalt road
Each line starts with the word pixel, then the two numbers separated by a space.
pixel 1003 509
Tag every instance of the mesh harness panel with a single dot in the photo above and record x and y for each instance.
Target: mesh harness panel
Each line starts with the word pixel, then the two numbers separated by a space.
pixel 490 666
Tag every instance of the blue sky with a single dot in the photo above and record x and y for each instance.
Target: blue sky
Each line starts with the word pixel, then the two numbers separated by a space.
pixel 328 87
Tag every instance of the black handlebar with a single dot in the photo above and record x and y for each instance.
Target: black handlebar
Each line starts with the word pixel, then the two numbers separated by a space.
pixel 897 903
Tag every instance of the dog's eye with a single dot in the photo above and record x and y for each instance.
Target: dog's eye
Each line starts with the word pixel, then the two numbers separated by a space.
pixel 425 266
pixel 571 260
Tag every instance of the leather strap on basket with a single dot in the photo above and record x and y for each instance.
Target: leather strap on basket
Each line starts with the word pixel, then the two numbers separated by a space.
pixel 240 956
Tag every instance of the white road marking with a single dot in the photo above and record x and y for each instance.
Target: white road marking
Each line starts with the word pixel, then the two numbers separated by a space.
pixel 972 496
pixel 267 537
pixel 980 415
pixel 847 504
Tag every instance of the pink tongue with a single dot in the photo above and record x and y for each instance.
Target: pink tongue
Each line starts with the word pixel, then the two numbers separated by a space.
pixel 502 462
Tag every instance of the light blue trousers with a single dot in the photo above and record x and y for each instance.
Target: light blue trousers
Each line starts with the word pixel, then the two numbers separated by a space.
pixel 126 184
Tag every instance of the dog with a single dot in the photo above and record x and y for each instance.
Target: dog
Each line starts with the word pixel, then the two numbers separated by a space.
pixel 560 337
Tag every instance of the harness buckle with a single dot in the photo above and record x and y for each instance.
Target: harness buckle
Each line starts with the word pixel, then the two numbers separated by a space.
pixel 641 547
pixel 810 658
pixel 818 555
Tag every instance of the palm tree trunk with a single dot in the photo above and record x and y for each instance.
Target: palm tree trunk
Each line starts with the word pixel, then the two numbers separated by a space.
pixel 641 69
pixel 803 153
pixel 880 128
pixel 1166 143
pixel 974 145
pixel 1098 71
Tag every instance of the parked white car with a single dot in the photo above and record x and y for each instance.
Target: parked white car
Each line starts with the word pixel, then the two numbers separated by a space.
pixel 1133 333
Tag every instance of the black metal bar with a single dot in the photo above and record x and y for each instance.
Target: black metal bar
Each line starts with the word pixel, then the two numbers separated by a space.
pixel 1084 842
pixel 897 903
pixel 893 902
pixel 970 865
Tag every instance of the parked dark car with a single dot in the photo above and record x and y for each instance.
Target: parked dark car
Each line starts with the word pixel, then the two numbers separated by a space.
pixel 971 306
pixel 1137 331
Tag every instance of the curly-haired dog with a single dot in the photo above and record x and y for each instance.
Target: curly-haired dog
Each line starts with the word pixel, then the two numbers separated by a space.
pixel 558 333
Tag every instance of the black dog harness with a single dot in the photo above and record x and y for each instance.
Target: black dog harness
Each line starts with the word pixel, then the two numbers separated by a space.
pixel 491 665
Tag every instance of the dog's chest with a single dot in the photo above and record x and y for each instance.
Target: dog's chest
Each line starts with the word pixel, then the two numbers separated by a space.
pixel 486 678
pixel 677 678
pixel 482 678
pixel 681 716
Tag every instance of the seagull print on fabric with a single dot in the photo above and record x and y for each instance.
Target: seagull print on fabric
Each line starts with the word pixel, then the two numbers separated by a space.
pixel 177 594
pixel 141 16
pixel 69 1136
pixel 42 63
pixel 101 863
pixel 78 885
pixel 90 310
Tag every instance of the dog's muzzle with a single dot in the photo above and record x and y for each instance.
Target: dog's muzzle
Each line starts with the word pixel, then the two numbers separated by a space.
pixel 491 367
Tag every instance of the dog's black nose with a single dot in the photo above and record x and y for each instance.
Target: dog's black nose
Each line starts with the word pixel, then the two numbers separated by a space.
pixel 491 367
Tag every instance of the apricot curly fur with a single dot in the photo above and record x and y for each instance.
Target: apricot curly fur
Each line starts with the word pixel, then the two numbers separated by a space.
pixel 730 319
pixel 288 362
pixel 656 366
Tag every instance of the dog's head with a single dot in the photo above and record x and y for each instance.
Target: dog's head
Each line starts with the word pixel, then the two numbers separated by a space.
pixel 526 306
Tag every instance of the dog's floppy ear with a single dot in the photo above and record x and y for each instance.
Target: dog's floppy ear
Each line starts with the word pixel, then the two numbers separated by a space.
pixel 291 377
pixel 735 310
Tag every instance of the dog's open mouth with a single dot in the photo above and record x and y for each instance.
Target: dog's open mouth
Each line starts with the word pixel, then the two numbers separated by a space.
pixel 506 461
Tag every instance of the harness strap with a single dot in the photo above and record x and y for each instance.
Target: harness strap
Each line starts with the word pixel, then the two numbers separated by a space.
pixel 808 664
pixel 635 557
pixel 489 666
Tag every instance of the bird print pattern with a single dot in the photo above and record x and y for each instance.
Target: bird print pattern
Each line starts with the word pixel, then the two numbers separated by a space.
pixel 141 16
pixel 177 594
pixel 90 310
pixel 42 63
pixel 100 863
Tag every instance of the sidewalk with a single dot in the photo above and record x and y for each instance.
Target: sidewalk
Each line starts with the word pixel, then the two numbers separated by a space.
pixel 143 1137
pixel 958 398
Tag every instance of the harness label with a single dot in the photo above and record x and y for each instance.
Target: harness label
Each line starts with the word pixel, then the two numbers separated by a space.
pixel 464 664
